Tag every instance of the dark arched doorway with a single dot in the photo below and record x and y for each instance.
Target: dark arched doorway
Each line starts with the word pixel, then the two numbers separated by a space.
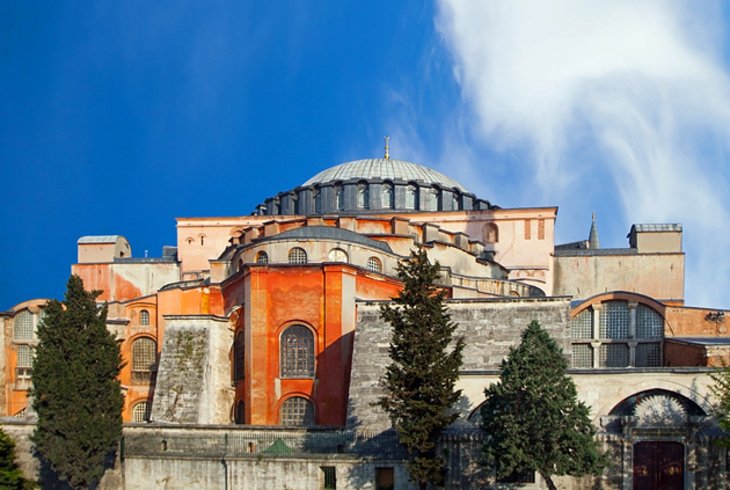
pixel 658 465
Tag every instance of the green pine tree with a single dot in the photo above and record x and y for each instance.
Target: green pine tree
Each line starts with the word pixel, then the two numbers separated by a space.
pixel 532 418
pixel 75 390
pixel 425 361
pixel 721 389
pixel 10 475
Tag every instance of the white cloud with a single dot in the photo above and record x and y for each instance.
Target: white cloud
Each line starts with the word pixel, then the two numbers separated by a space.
pixel 624 100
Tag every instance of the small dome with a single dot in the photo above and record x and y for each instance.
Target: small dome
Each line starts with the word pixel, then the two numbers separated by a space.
pixel 381 168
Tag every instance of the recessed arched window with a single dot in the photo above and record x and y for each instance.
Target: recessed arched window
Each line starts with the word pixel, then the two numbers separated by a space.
pixel 340 197
pixel 338 255
pixel 262 258
pixel 297 256
pixel 411 197
pixel 363 196
pixel 144 317
pixel 239 357
pixel 297 411
pixel 297 352
pixel 240 415
pixel 374 265
pixel 491 233
pixel 23 326
pixel 388 196
pixel 140 412
pixel 144 354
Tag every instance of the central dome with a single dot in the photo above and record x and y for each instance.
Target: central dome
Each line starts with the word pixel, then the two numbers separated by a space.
pixel 386 169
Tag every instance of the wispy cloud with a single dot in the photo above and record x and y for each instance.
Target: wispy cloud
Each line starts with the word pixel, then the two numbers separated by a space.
pixel 626 101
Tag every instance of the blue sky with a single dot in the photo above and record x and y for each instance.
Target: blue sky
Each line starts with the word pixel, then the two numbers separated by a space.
pixel 118 117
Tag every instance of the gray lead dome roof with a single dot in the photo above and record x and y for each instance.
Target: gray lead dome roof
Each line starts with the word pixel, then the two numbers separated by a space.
pixel 381 168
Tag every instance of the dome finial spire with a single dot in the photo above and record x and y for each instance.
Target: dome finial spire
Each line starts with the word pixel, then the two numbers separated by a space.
pixel 387 147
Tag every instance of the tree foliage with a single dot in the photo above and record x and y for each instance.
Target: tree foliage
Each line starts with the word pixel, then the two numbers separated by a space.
pixel 75 391
pixel 10 475
pixel 425 360
pixel 532 418
pixel 721 389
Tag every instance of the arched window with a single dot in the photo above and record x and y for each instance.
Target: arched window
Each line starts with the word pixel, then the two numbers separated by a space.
pixel 374 265
pixel 140 412
pixel 411 197
pixel 239 357
pixel 262 258
pixel 434 200
pixel 456 203
pixel 363 196
pixel 491 233
pixel 338 255
pixel 297 411
pixel 23 326
pixel 297 256
pixel 388 196
pixel 144 354
pixel 297 352
pixel 340 197
pixel 317 201
pixel 240 416
pixel 144 317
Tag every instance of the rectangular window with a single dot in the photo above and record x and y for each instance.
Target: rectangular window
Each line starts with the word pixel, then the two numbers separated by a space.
pixel 528 229
pixel 329 477
pixel 582 356
pixel 384 478
pixel 541 229
pixel 648 355
pixel 613 355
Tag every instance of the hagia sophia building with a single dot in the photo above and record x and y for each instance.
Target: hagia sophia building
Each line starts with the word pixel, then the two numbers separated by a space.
pixel 270 321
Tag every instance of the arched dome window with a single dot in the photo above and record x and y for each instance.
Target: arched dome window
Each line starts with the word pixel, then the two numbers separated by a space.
pixel 262 257
pixel 338 255
pixel 297 256
pixel 411 196
pixel 434 200
pixel 144 317
pixel 297 352
pixel 317 200
pixel 374 265
pixel 363 196
pixel 388 196
pixel 340 197
pixel 141 412
pixel 297 411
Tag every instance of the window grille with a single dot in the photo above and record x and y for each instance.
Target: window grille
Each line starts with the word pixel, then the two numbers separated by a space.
pixel 141 412
pixel 329 477
pixel 411 197
pixel 648 354
pixel 614 320
pixel 388 196
pixel 24 356
pixel 297 352
pixel 144 353
pixel 239 357
pixel 23 326
pixel 297 412
pixel 374 265
pixel 363 196
pixel 582 356
pixel 613 355
pixel 297 256
pixel 649 323
pixel 581 327
pixel 144 317
pixel 338 255
pixel 262 258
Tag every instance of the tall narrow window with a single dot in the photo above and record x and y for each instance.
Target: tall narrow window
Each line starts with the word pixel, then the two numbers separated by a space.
pixel 144 353
pixel 411 197
pixel 297 411
pixel 297 256
pixel 528 229
pixel 262 258
pixel 297 352
pixel 144 317
pixel 456 203
pixel 434 200
pixel 141 412
pixel 329 477
pixel 317 201
pixel 388 196
pixel 239 357
pixel 240 415
pixel 295 204
pixel 340 197
pixel 23 326
pixel 363 196
pixel 491 233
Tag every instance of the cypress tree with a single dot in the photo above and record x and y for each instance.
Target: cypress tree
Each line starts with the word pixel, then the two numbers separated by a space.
pixel 425 360
pixel 10 475
pixel 76 392
pixel 532 418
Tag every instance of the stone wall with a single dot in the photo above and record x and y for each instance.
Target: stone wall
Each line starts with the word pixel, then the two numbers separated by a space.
pixel 489 327
pixel 193 379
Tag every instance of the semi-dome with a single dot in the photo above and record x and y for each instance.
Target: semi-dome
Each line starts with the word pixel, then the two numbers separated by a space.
pixel 385 169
